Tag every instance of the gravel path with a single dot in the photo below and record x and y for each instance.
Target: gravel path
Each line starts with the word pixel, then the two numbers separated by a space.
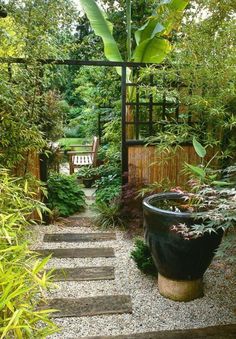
pixel 151 311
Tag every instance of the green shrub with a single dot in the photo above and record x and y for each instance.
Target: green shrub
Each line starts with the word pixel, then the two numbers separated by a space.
pixel 74 112
pixel 64 194
pixel 72 132
pixel 111 168
pixel 108 187
pixel 22 275
pixel 108 193
pixel 142 256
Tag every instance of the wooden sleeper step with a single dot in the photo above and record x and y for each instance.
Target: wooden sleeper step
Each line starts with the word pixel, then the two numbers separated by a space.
pixel 79 237
pixel 89 306
pixel 212 332
pixel 100 252
pixel 84 273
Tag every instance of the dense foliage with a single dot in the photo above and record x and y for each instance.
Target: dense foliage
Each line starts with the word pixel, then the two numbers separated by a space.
pixel 31 111
pixel 202 79
pixel 65 196
pixel 23 278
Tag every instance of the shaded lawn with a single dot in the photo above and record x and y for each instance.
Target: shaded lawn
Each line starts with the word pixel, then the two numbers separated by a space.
pixel 67 142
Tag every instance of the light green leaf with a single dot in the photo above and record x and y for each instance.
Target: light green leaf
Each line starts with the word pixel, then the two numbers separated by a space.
pixel 178 5
pixel 148 30
pixel 103 28
pixel 152 50
pixel 222 183
pixel 153 27
pixel 12 320
pixel 39 265
pixel 26 187
pixel 199 149
pixel 200 172
pixel 39 213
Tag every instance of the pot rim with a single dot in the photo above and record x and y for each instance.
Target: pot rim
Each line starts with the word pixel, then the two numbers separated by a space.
pixel 168 195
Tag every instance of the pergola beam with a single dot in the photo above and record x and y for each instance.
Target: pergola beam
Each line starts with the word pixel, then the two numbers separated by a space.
pixel 76 62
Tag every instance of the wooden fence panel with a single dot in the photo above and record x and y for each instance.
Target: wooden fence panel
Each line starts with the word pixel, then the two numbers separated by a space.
pixel 147 165
pixel 30 164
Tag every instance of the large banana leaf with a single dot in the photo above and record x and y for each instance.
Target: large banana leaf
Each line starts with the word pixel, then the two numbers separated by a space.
pixel 153 26
pixel 148 30
pixel 152 45
pixel 103 28
pixel 152 50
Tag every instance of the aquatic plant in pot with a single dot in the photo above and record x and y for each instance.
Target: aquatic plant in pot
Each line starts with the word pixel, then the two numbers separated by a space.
pixel 183 231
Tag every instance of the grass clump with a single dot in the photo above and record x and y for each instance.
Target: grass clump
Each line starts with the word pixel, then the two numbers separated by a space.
pixel 108 215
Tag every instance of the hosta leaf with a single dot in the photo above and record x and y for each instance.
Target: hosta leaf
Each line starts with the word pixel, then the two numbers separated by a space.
pixel 199 149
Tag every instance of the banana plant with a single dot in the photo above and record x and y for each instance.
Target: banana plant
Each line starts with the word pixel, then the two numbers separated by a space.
pixel 152 39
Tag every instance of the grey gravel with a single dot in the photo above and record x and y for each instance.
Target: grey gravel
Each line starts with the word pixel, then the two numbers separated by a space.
pixel 151 311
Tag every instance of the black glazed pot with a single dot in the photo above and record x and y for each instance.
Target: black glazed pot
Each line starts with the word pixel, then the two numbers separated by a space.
pixel 175 257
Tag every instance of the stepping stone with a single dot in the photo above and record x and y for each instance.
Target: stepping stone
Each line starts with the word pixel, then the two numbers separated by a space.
pixel 101 252
pixel 84 273
pixel 78 237
pixel 90 306
pixel 212 332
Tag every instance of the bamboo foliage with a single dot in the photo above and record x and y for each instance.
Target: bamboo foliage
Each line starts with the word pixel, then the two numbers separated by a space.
pixel 23 279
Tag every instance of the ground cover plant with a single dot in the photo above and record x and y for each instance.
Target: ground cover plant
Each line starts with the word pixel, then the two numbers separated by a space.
pixel 65 196
pixel 23 279
pixel 142 257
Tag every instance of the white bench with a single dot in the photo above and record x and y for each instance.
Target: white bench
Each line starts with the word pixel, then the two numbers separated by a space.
pixel 83 158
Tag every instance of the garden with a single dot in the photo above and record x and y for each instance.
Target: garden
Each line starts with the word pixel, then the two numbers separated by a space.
pixel 117 169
